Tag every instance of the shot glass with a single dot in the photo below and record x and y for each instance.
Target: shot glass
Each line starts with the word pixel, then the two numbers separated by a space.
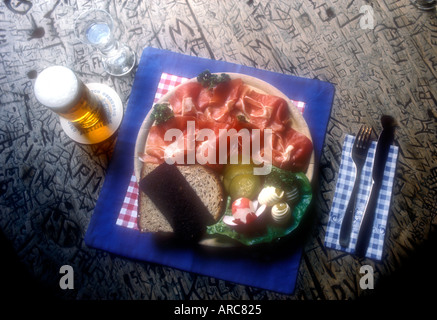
pixel 425 4
pixel 96 27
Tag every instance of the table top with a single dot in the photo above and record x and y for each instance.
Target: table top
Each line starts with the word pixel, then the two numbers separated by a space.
pixel 380 57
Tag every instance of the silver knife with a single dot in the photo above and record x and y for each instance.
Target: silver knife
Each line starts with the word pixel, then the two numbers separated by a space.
pixel 382 148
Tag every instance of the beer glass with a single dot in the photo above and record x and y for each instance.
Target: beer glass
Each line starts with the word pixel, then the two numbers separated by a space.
pixel 425 4
pixel 95 27
pixel 88 113
pixel 59 89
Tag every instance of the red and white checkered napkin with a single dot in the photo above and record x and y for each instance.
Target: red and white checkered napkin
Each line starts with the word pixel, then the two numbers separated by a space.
pixel 128 212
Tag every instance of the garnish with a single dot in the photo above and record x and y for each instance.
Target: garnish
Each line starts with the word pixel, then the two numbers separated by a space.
pixel 282 179
pixel 209 80
pixel 162 112
pixel 244 212
pixel 271 231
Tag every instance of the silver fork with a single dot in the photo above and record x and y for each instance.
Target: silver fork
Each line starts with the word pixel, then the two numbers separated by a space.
pixel 359 154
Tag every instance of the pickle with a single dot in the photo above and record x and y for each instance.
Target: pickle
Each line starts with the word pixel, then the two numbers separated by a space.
pixel 245 186
pixel 233 170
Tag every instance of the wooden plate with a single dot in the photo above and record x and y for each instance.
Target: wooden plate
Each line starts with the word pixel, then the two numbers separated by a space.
pixel 298 123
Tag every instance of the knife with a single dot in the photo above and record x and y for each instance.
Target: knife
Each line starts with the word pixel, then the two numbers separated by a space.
pixel 382 148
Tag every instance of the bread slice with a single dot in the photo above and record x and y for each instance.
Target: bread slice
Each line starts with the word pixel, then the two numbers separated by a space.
pixel 179 199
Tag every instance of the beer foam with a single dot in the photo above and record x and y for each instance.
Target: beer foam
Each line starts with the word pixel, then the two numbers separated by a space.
pixel 57 87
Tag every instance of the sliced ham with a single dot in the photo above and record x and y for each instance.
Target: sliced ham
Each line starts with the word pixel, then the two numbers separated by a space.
pixel 222 108
pixel 157 145
pixel 264 111
pixel 223 95
pixel 291 150
pixel 184 101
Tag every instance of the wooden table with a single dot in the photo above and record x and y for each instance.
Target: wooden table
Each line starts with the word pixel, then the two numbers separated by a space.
pixel 49 184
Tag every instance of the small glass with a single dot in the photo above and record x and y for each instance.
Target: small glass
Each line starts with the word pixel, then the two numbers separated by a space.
pixel 95 27
pixel 425 4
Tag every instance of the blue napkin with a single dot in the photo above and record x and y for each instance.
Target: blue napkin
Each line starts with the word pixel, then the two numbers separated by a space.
pixel 276 272
pixel 344 186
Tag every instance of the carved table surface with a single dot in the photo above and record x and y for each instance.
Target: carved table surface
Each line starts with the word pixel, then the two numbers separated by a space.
pixel 49 184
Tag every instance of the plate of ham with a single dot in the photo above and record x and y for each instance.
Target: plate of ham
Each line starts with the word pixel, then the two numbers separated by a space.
pixel 186 126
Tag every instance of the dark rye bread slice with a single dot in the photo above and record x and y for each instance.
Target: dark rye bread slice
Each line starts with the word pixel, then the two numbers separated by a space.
pixel 179 199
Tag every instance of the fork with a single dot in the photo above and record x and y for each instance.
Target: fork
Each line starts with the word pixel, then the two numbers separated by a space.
pixel 359 154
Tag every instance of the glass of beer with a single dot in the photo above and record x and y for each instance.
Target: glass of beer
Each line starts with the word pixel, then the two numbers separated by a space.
pixel 59 89
pixel 95 27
